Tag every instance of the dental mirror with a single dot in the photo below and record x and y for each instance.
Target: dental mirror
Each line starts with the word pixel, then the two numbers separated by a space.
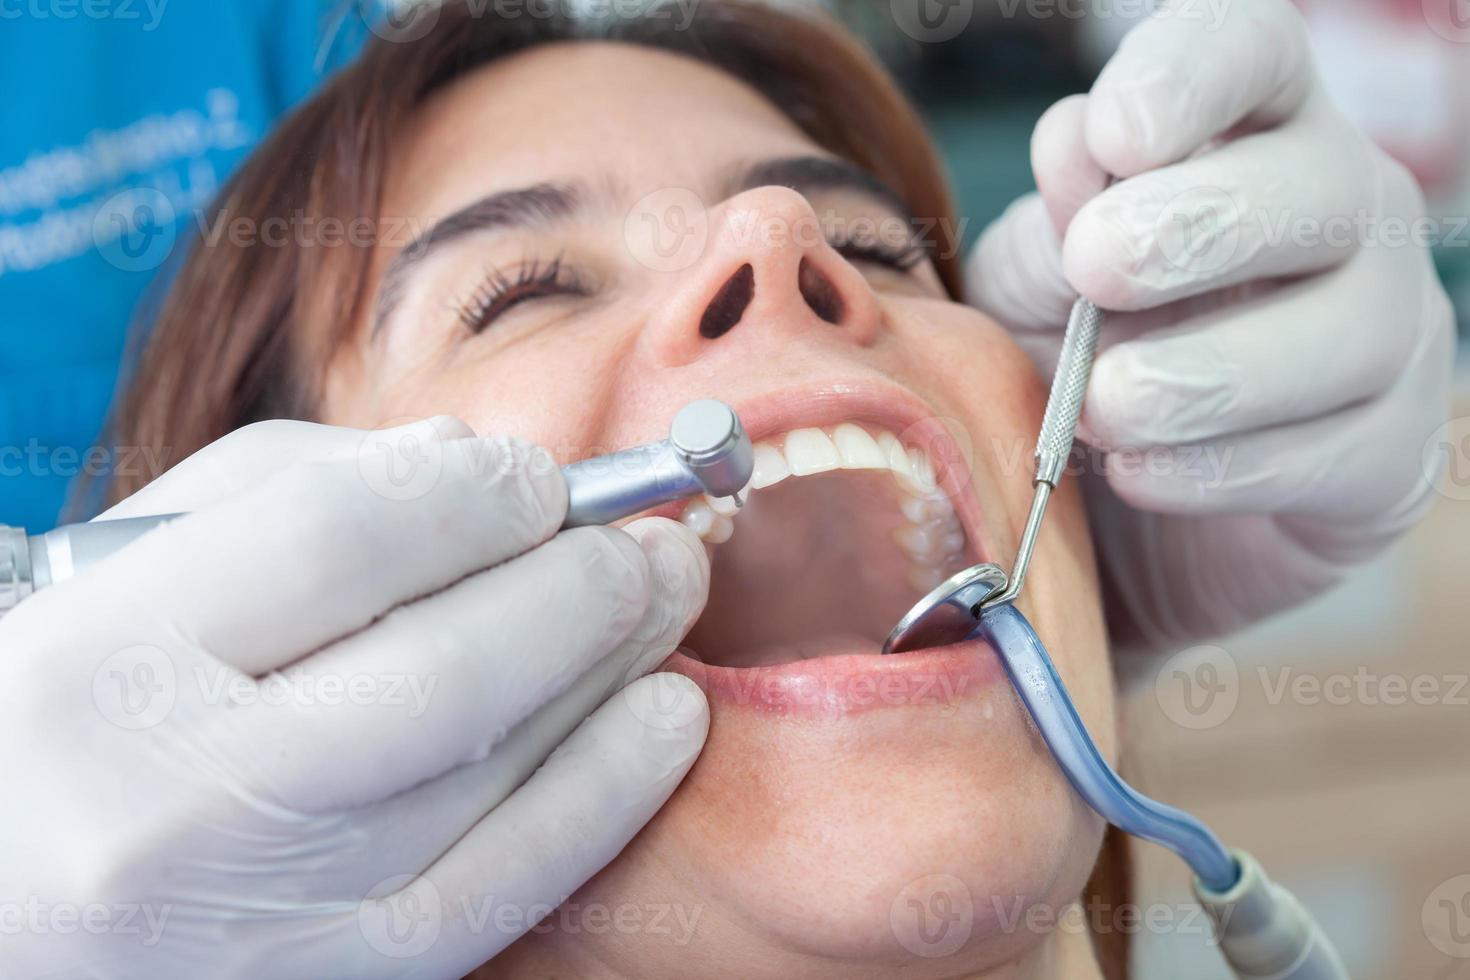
pixel 949 612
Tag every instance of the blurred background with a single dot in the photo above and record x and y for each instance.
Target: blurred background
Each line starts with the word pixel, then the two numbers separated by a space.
pixel 1332 742
pixel 1303 740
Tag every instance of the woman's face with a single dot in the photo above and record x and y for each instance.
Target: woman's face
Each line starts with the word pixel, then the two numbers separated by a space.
pixel 615 232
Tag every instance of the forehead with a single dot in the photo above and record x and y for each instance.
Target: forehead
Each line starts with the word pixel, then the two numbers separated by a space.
pixel 641 118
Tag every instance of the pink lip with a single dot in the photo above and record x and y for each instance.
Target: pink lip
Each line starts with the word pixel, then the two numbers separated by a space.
pixel 838 686
pixel 889 407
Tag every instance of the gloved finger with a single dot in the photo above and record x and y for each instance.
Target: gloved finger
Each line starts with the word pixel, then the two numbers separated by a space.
pixel 1186 76
pixel 489 652
pixel 322 549
pixel 1358 469
pixel 1015 272
pixel 1271 205
pixel 253 454
pixel 1191 578
pixel 527 856
pixel 1067 176
pixel 443 809
pixel 1239 366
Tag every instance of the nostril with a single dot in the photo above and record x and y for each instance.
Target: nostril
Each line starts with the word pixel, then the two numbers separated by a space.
pixel 819 293
pixel 729 304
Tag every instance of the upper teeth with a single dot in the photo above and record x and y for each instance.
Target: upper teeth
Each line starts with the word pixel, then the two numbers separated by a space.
pixel 931 536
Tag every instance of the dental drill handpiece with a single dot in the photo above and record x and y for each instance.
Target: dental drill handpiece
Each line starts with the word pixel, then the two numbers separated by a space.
pixel 707 452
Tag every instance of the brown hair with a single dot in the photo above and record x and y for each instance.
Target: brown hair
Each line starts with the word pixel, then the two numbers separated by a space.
pixel 246 330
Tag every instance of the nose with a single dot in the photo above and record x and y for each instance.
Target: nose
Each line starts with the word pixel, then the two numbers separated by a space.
pixel 767 268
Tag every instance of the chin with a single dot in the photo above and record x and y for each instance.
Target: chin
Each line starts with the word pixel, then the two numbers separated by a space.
pixel 897 833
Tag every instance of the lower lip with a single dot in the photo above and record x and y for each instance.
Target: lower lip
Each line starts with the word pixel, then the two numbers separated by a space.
pixel 849 684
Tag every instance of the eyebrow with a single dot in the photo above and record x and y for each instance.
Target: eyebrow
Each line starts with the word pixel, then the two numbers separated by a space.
pixel 542 204
pixel 519 208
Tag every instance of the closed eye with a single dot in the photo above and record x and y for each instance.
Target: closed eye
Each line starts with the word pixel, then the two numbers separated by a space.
pixel 903 257
pixel 499 292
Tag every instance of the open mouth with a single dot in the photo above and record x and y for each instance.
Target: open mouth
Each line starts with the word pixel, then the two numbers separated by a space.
pixel 844 528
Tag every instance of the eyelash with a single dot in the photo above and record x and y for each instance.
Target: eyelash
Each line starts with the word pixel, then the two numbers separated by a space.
pixel 498 293
pixel 899 258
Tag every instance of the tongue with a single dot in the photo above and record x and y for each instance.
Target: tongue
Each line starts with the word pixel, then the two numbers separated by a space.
pixel 812 571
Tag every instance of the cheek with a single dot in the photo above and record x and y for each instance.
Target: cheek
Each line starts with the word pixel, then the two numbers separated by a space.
pixel 965 353
pixel 538 391
pixel 969 367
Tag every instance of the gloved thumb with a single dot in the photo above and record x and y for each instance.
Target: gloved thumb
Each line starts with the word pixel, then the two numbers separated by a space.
pixel 251 455
pixel 678 567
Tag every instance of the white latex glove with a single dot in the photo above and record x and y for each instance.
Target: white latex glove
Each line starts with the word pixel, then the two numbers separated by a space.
pixel 186 792
pixel 1258 413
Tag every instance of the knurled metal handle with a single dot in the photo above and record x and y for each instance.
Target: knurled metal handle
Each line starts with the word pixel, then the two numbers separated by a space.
pixel 1068 390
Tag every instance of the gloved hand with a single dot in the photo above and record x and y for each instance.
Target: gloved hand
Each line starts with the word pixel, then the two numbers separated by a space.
pixel 1283 348
pixel 296 732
